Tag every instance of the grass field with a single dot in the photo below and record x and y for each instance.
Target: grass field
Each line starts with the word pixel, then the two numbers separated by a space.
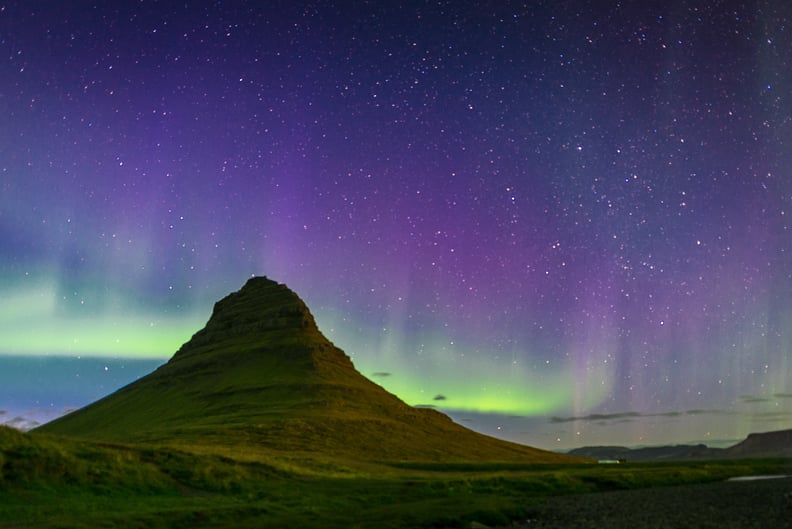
pixel 50 481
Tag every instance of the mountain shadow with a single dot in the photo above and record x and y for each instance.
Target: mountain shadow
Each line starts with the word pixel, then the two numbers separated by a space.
pixel 260 377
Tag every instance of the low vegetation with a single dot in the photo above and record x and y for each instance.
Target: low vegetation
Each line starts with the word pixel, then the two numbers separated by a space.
pixel 52 481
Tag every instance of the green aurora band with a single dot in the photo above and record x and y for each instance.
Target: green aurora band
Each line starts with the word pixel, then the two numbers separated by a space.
pixel 436 373
pixel 32 324
pixel 433 370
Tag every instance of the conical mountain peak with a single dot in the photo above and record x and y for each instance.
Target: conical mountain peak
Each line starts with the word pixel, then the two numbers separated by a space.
pixel 260 377
pixel 262 306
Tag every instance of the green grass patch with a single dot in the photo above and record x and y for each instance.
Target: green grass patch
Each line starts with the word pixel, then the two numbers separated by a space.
pixel 48 482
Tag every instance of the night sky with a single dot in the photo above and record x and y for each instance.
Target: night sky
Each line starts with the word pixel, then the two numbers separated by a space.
pixel 563 223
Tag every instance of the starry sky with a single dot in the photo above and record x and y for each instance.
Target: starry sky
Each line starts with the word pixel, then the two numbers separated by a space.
pixel 562 223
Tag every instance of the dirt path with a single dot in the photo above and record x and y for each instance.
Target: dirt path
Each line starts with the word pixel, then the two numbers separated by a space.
pixel 763 504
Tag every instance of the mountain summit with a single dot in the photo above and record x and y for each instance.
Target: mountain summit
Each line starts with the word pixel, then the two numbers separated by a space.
pixel 261 377
pixel 260 307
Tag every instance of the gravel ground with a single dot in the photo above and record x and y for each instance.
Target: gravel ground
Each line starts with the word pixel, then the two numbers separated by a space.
pixel 761 504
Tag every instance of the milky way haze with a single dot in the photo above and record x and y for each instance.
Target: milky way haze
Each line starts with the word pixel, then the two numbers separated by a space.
pixel 564 223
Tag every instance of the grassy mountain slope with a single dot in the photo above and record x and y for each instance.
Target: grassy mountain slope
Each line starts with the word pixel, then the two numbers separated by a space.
pixel 260 377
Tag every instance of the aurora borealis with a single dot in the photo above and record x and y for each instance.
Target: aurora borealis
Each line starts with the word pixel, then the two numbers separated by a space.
pixel 564 223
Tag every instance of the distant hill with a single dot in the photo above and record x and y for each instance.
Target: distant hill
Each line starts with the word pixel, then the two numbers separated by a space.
pixel 768 444
pixel 650 453
pixel 261 377
pixel 756 445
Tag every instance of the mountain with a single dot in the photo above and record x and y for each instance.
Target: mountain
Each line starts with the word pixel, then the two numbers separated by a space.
pixel 648 453
pixel 768 444
pixel 756 445
pixel 261 377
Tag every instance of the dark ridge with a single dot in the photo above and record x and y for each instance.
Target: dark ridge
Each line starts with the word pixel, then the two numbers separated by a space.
pixel 767 444
pixel 756 445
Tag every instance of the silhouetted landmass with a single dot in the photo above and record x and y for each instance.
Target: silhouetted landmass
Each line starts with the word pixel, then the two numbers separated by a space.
pixel 768 444
pixel 652 453
pixel 756 445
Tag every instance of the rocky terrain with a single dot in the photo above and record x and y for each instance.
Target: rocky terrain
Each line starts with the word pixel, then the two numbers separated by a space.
pixel 761 504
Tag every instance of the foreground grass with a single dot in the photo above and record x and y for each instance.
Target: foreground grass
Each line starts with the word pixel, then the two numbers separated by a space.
pixel 49 482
